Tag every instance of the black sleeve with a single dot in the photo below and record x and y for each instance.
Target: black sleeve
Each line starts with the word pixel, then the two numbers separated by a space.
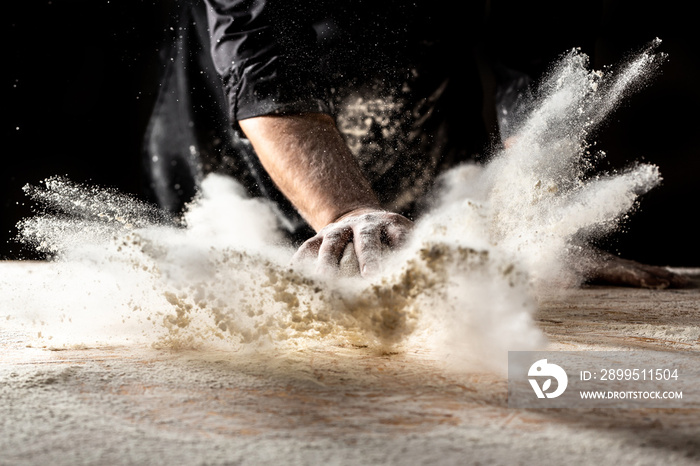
pixel 264 50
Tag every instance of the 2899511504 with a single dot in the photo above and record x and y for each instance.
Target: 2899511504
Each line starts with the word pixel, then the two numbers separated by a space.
pixel 639 374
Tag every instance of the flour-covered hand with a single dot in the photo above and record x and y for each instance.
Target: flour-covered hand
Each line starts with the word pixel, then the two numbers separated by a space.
pixel 371 231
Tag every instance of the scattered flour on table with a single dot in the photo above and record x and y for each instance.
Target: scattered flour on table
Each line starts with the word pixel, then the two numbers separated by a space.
pixel 466 285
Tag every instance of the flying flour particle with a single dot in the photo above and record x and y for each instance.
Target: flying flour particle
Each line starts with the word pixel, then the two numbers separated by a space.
pixel 466 284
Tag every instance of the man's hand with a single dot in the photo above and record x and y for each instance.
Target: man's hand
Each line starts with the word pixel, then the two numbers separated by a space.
pixel 308 160
pixel 362 233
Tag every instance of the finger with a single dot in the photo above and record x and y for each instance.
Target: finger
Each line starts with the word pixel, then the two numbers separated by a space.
pixel 308 250
pixel 395 235
pixel 332 248
pixel 368 248
pixel 349 266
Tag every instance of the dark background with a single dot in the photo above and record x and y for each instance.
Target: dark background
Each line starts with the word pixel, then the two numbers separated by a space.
pixel 81 77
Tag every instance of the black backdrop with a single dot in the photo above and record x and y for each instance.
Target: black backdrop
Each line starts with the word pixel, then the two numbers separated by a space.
pixel 80 77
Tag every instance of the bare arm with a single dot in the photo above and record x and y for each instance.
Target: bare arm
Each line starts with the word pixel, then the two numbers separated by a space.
pixel 308 159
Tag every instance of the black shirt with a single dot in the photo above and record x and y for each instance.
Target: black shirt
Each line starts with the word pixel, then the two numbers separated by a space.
pixel 399 77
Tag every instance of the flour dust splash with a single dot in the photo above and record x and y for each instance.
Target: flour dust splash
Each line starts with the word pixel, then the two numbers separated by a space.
pixel 465 286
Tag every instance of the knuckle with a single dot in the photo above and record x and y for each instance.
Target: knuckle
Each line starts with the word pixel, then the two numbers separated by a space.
pixel 367 231
pixel 336 234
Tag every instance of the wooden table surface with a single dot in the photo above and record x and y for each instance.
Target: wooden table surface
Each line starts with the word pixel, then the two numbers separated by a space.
pixel 339 404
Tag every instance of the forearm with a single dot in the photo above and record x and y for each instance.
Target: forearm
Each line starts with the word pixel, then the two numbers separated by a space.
pixel 308 159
